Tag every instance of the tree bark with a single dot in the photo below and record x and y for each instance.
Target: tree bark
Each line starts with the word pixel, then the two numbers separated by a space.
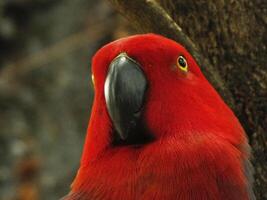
pixel 149 16
pixel 229 43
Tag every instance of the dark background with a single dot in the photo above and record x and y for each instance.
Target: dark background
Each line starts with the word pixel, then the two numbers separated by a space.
pixel 45 80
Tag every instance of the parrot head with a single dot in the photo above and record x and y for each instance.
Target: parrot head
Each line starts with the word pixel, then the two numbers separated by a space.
pixel 150 87
pixel 151 104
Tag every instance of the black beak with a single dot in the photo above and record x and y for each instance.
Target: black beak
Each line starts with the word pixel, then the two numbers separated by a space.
pixel 125 88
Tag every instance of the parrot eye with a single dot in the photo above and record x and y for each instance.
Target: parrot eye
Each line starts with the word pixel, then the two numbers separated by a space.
pixel 182 63
pixel 93 79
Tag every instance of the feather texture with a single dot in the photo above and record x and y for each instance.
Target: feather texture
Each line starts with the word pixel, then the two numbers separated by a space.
pixel 198 148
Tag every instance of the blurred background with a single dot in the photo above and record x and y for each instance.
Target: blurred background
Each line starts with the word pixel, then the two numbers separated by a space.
pixel 46 92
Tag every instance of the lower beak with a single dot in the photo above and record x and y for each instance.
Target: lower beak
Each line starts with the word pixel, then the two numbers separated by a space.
pixel 125 88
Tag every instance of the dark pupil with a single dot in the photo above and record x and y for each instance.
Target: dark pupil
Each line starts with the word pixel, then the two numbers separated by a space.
pixel 182 62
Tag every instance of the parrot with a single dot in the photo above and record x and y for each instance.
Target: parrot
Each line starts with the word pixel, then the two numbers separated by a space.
pixel 159 130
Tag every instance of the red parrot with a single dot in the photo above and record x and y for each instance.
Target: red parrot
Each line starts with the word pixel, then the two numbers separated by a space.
pixel 159 130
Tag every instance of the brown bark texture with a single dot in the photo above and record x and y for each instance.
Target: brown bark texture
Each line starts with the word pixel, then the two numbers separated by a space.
pixel 228 39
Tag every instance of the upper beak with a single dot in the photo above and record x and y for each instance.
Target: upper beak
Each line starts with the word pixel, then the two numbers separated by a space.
pixel 125 88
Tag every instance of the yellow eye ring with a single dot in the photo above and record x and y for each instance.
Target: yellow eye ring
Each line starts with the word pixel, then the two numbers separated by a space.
pixel 93 79
pixel 182 63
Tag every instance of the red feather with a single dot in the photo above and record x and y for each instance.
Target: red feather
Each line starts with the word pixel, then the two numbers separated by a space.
pixel 199 148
